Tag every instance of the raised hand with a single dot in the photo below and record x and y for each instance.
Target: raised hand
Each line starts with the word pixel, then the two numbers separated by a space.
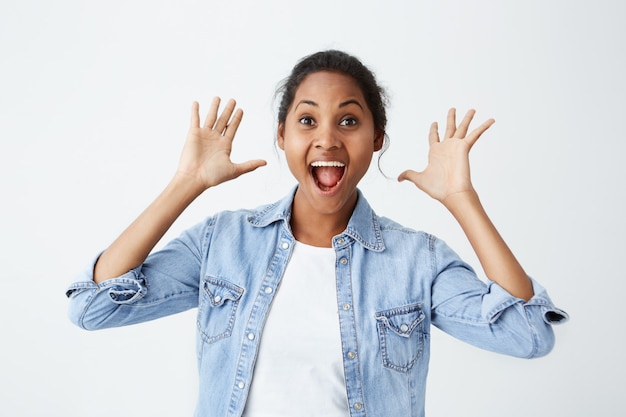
pixel 206 154
pixel 205 162
pixel 447 172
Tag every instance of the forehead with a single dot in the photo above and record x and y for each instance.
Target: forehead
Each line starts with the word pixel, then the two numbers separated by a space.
pixel 328 86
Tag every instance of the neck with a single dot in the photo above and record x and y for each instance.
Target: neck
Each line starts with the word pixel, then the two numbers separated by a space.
pixel 317 228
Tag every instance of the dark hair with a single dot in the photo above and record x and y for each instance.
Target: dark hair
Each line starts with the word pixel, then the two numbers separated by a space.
pixel 341 62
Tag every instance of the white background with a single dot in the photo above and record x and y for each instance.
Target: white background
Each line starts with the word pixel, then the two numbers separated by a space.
pixel 94 108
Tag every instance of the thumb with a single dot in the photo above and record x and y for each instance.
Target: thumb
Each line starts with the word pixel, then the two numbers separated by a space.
pixel 409 175
pixel 249 166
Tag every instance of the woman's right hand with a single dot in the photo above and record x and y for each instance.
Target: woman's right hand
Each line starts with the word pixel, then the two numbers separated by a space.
pixel 206 155
pixel 205 162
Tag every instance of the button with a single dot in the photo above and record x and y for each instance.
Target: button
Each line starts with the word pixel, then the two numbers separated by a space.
pixel 251 336
pixel 346 306
pixel 241 385
pixel 343 261
pixel 268 290
pixel 340 241
pixel 358 406
pixel 351 355
pixel 217 299
pixel 285 245
pixel 404 327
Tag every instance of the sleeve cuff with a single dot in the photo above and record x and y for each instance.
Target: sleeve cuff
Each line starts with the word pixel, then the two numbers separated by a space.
pixel 124 289
pixel 497 299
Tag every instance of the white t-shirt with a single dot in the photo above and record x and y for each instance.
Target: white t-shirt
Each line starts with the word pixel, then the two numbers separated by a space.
pixel 299 368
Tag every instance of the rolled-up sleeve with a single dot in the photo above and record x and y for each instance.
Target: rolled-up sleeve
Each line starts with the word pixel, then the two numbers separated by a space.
pixel 485 314
pixel 166 283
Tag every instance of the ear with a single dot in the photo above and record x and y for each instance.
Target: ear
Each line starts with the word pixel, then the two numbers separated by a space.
pixel 379 140
pixel 280 136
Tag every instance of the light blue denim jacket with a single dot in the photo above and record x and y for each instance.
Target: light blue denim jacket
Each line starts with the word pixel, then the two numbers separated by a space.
pixel 392 284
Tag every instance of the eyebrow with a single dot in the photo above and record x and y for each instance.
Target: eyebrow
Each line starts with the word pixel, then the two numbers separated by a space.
pixel 314 104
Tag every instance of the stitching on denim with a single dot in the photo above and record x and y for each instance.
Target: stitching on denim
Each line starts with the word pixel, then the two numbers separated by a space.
pixel 384 327
pixel 208 303
pixel 81 321
pixel 433 255
pixel 533 333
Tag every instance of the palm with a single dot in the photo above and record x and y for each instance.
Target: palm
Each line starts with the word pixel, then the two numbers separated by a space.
pixel 448 170
pixel 206 154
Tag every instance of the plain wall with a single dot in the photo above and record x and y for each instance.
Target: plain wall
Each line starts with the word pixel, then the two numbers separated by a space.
pixel 94 109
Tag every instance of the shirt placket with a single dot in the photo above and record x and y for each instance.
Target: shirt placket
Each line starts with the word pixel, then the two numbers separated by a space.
pixel 347 324
pixel 251 336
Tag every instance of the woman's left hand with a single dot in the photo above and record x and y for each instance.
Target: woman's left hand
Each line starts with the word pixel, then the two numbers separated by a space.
pixel 448 172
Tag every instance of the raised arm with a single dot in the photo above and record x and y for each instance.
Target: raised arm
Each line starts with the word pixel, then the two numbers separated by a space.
pixel 204 163
pixel 447 179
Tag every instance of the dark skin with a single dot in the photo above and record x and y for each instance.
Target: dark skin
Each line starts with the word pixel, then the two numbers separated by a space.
pixel 328 123
pixel 333 132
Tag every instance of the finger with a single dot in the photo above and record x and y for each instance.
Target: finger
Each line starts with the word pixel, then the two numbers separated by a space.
pixel 222 121
pixel 461 131
pixel 195 116
pixel 413 176
pixel 212 113
pixel 409 175
pixel 232 127
pixel 451 123
pixel 433 135
pixel 475 134
pixel 249 166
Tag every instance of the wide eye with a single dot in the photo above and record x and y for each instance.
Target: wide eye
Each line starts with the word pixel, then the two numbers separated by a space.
pixel 348 121
pixel 306 120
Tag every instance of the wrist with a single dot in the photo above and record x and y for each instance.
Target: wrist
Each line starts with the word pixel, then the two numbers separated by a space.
pixel 186 186
pixel 461 200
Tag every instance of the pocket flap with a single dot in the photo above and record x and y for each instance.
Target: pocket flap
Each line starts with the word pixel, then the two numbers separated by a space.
pixel 219 290
pixel 402 320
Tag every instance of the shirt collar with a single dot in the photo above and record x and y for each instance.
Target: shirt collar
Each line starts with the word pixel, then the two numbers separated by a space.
pixel 363 226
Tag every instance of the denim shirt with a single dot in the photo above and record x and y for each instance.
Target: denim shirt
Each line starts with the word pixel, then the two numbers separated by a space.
pixel 392 284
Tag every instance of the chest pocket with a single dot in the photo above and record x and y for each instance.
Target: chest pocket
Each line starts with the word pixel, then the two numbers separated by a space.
pixel 401 336
pixel 217 309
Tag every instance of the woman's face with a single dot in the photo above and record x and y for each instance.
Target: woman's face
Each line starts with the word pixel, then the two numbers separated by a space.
pixel 329 138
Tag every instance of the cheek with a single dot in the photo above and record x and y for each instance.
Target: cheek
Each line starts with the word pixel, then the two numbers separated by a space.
pixel 294 156
pixel 367 160
pixel 293 145
pixel 363 158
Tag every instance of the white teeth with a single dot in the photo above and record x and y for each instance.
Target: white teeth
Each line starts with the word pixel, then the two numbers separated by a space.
pixel 327 164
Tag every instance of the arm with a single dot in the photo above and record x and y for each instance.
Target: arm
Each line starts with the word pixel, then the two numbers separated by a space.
pixel 204 163
pixel 447 179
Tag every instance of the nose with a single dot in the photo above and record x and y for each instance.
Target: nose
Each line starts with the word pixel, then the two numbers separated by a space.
pixel 327 138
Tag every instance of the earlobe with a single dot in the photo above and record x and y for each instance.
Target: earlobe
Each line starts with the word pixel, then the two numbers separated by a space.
pixel 280 136
pixel 379 140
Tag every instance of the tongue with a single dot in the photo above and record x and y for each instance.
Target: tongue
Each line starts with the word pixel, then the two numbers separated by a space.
pixel 328 176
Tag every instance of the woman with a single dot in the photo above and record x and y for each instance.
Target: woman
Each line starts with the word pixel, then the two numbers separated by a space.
pixel 315 305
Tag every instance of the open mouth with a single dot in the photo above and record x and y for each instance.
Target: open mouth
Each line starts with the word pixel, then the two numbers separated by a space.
pixel 327 174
